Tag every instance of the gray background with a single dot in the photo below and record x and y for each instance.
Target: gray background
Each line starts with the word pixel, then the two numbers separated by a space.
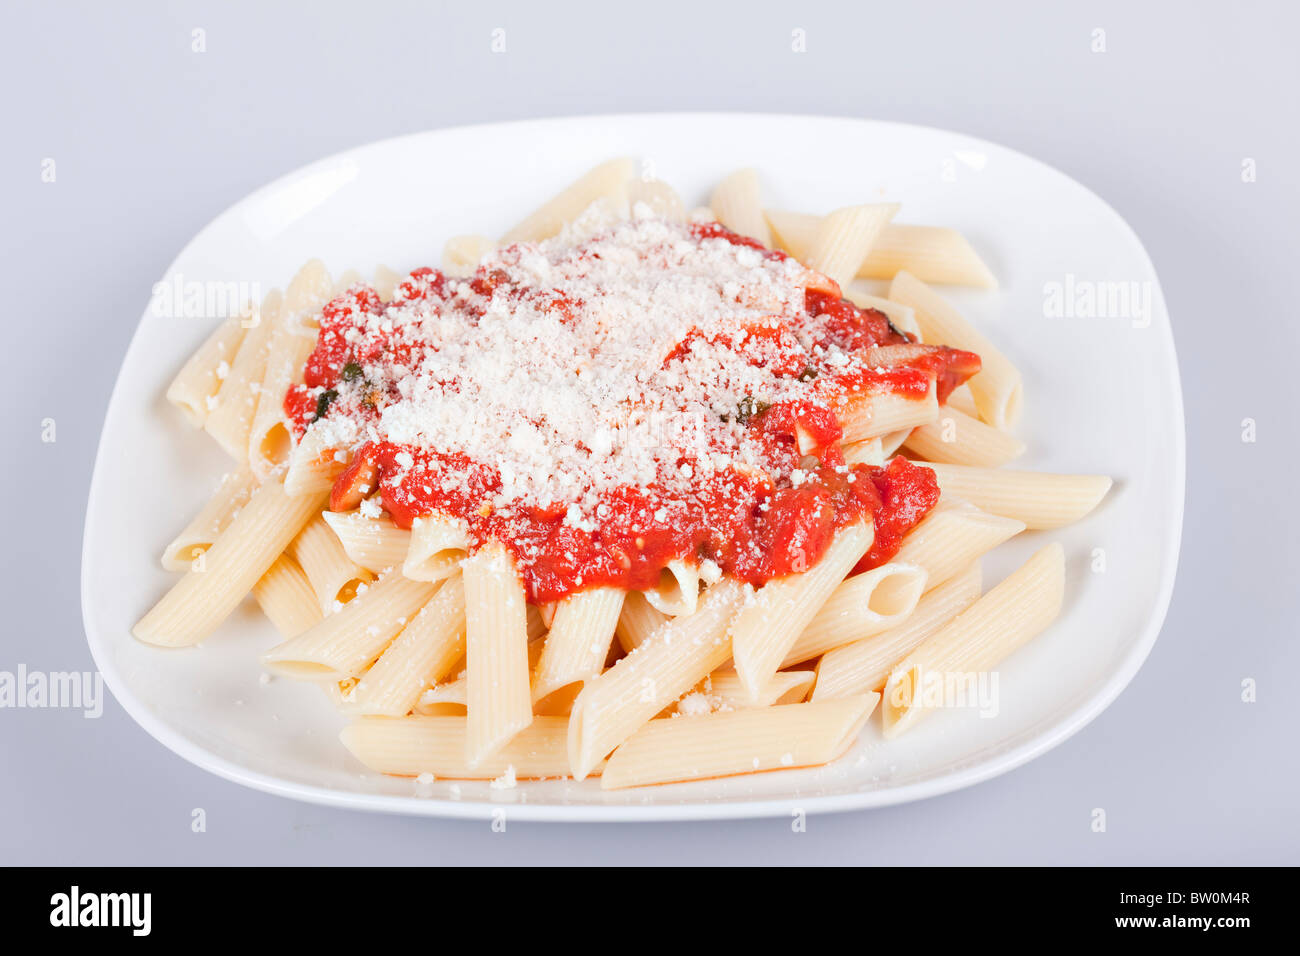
pixel 152 140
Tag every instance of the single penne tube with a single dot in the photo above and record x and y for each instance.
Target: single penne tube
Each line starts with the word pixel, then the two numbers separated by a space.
pixel 889 444
pixel 608 182
pixel 314 463
pixel 792 232
pixel 385 281
pixel 224 574
pixel 194 389
pixel 976 640
pixel 958 439
pixel 844 237
pixel 411 746
pixel 769 624
pixel 231 417
pixel 462 254
pixel 421 655
pixel 903 317
pixel 375 544
pixel 930 253
pixel 637 620
pixel 347 280
pixel 737 205
pixel 871 415
pixel 214 517
pixel 951 536
pixel 448 692
pixel 660 198
pixel 863 604
pixel 869 451
pixel 439 543
pixel 668 663
pixel 863 665
pixel 678 591
pixel 292 338
pixel 1039 499
pixel 741 741
pixel 997 386
pixel 963 401
pixel 496 652
pixel 334 576
pixel 348 641
pixel 723 690
pixel 286 597
pixel 578 641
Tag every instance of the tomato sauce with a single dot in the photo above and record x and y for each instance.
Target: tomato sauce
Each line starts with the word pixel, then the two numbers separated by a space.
pixel 753 527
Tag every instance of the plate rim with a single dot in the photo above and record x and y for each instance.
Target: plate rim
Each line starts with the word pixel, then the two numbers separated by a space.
pixel 1015 756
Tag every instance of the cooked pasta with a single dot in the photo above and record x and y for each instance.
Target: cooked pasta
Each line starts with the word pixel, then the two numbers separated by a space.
pixel 637 493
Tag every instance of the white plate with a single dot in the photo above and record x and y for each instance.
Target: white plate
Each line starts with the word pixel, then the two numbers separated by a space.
pixel 1102 395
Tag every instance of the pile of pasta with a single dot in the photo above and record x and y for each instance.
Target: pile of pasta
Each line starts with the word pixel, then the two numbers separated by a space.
pixel 448 671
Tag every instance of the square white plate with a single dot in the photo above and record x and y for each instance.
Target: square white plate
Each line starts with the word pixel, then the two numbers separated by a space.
pixel 1102 395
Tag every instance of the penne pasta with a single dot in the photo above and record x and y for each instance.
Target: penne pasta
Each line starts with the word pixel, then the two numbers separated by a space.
pixel 863 604
pixel 314 464
pixel 871 415
pixel 286 597
pixel 902 316
pixel 227 571
pixel 621 393
pixel 659 199
pixel 931 254
pixel 862 666
pixel 637 620
pixel 385 281
pixel 411 746
pixel 438 543
pixel 578 641
pixel 976 640
pixel 206 526
pixel 869 451
pixel 334 576
pixel 723 690
pixel 194 389
pixel 769 624
pixel 996 387
pixel 953 535
pixel 742 741
pixel 291 340
pixel 496 652
pixel 942 256
pixel 1037 499
pixel 347 642
pixel 844 237
pixel 667 664
pixel 958 439
pixel 462 254
pixel 422 654
pixel 963 401
pixel 608 182
pixel 737 205
pixel 678 591
pixel 230 418
pixel 375 544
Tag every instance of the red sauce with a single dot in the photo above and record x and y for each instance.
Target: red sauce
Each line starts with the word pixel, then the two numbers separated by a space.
pixel 754 528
